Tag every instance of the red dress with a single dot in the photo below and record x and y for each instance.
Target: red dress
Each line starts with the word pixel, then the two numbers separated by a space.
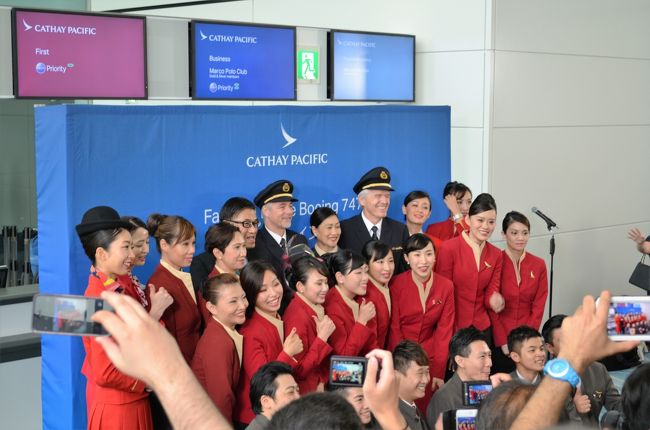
pixel 382 319
pixel 350 337
pixel 182 318
pixel 525 301
pixel 116 401
pixel 432 327
pixel 262 343
pixel 217 367
pixel 314 356
pixel 472 287
pixel 447 229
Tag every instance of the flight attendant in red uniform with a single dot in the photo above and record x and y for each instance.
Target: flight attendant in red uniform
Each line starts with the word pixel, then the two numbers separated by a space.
pixel 306 314
pixel 458 198
pixel 381 266
pixel 524 283
pixel 356 327
pixel 423 310
pixel 263 331
pixel 175 240
pixel 474 266
pixel 115 400
pixel 217 359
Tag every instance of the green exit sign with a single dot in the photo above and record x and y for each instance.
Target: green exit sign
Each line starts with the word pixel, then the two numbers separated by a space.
pixel 308 65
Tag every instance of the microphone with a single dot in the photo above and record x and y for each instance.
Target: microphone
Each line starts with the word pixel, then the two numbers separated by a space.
pixel 549 222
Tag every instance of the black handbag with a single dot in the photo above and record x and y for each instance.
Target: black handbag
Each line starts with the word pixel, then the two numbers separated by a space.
pixel 641 275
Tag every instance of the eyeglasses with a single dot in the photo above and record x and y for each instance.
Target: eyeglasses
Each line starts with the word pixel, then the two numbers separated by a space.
pixel 246 223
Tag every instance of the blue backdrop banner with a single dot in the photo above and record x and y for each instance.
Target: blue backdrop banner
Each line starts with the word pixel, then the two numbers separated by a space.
pixel 188 160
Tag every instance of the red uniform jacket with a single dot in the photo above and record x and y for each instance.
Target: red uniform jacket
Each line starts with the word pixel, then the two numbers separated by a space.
pixel 107 385
pixel 182 318
pixel 262 344
pixel 216 366
pixel 383 315
pixel 350 337
pixel 314 356
pixel 472 288
pixel 447 229
pixel 133 289
pixel 524 302
pixel 433 328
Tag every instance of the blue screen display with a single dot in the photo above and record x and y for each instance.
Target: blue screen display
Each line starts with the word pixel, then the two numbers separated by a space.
pixel 372 66
pixel 244 62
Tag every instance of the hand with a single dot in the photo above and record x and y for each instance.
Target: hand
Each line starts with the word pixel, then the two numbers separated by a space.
pixel 504 349
pixel 160 300
pixel 366 312
pixel 324 327
pixel 436 383
pixel 583 405
pixel 452 204
pixel 584 334
pixel 636 235
pixel 497 302
pixel 382 393
pixel 498 378
pixel 139 346
pixel 292 344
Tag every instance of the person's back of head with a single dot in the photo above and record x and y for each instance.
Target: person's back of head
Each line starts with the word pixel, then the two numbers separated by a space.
pixel 322 411
pixel 501 407
pixel 635 399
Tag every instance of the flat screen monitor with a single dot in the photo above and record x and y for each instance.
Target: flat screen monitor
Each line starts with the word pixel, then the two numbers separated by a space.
pixel 372 66
pixel 243 62
pixel 78 55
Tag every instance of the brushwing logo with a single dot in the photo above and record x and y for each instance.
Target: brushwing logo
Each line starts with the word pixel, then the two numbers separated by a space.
pixel 203 36
pixel 290 140
pixel 27 26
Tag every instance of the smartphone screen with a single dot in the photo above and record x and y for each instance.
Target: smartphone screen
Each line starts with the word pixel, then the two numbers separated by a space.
pixel 629 318
pixel 62 314
pixel 475 391
pixel 466 419
pixel 347 371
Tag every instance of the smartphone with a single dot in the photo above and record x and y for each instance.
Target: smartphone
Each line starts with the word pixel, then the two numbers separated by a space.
pixel 628 318
pixel 475 391
pixel 459 419
pixel 347 371
pixel 62 314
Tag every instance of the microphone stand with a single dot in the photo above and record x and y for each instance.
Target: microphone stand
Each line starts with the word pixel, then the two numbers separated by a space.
pixel 550 283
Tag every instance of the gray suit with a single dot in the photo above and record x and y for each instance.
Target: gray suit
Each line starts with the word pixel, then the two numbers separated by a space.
pixel 449 397
pixel 515 377
pixel 597 384
pixel 413 417
pixel 259 423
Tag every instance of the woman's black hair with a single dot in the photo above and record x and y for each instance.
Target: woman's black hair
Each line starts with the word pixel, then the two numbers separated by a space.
pixel 98 239
pixel 212 286
pixel 635 399
pixel 482 203
pixel 135 223
pixel 252 278
pixel 456 189
pixel 171 228
pixel 219 236
pixel 343 261
pixel 512 217
pixel 416 242
pixel 374 250
pixel 417 194
pixel 319 215
pixel 301 268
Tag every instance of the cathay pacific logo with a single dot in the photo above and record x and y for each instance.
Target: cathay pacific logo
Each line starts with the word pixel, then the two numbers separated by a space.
pixel 287 137
pixel 203 36
pixel 27 26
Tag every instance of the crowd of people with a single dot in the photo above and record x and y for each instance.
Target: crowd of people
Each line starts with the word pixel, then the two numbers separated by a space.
pixel 258 315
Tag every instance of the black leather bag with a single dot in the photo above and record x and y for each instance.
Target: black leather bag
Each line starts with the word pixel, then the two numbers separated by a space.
pixel 641 275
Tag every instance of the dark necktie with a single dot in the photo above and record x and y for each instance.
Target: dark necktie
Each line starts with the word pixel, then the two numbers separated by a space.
pixel 283 245
pixel 374 233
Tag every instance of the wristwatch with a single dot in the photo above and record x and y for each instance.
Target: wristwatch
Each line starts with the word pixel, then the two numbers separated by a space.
pixel 560 369
pixel 457 217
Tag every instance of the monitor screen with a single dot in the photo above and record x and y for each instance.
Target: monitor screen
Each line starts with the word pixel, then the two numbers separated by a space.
pixel 372 66
pixel 243 62
pixel 78 55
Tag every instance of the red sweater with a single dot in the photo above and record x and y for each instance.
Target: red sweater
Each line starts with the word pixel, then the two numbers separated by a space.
pixel 315 354
pixel 472 287
pixel 525 302
pixel 350 337
pixel 383 315
pixel 216 366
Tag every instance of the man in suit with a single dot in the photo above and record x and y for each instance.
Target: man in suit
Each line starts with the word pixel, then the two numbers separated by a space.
pixel 412 370
pixel 373 190
pixel 596 389
pixel 526 346
pixel 272 387
pixel 240 212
